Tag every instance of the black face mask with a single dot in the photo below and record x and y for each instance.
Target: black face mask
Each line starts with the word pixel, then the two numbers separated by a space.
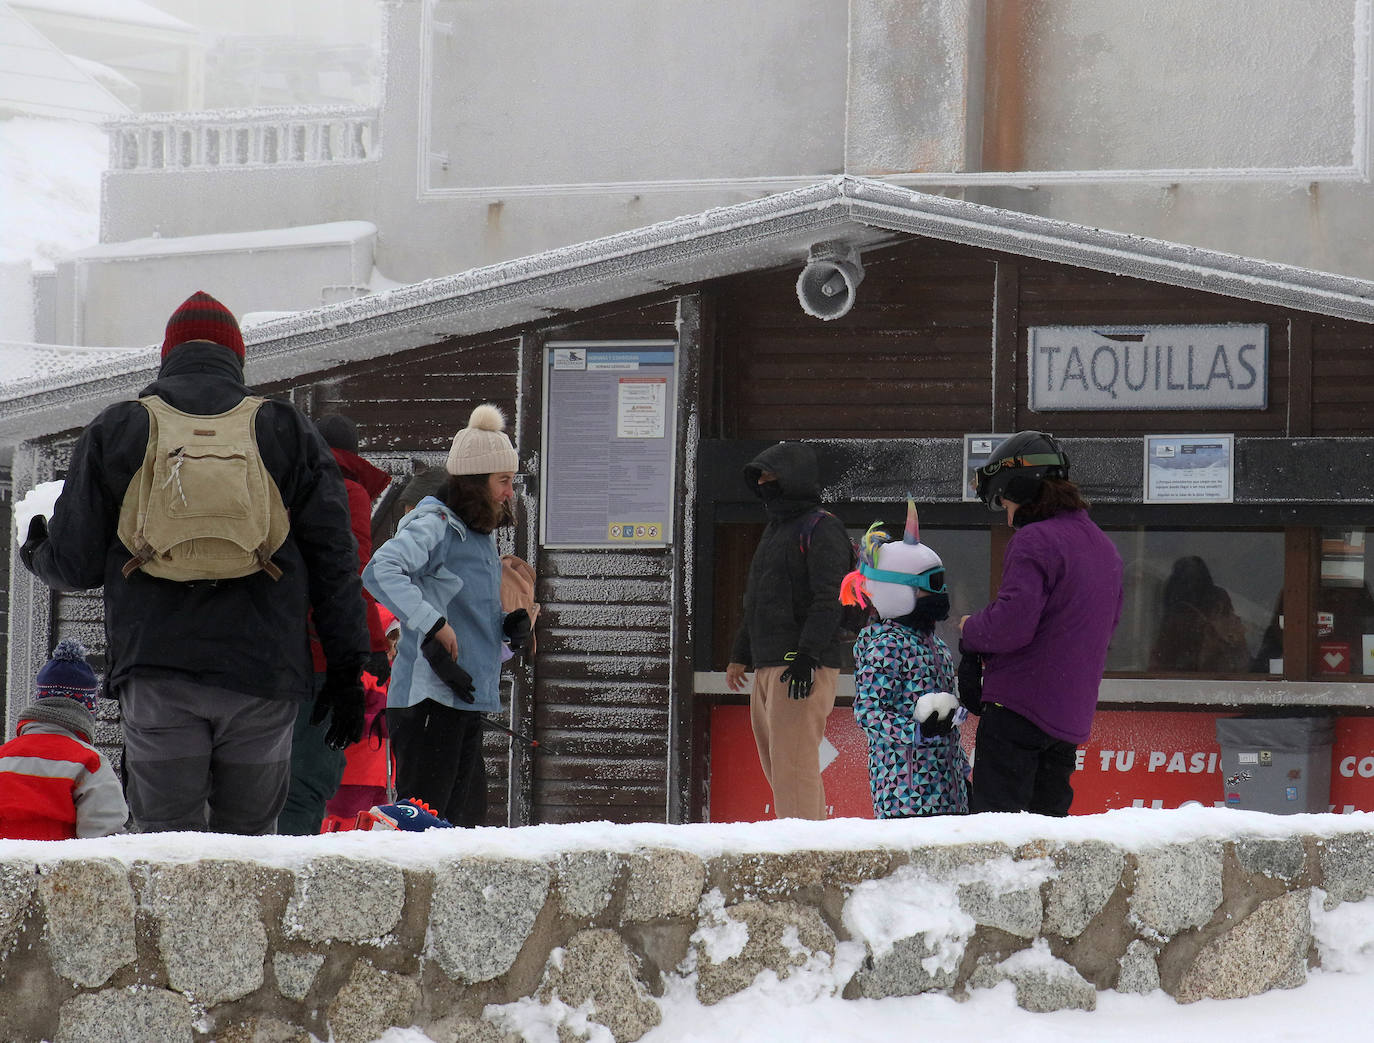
pixel 769 490
pixel 929 610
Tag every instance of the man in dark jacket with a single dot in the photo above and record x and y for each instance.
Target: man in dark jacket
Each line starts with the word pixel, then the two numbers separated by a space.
pixel 790 633
pixel 316 767
pixel 208 673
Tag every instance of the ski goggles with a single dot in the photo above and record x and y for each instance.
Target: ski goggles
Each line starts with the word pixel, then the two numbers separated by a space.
pixel 1025 460
pixel 932 580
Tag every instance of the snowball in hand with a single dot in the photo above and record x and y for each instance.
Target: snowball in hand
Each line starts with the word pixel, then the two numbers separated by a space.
pixel 38 500
pixel 938 704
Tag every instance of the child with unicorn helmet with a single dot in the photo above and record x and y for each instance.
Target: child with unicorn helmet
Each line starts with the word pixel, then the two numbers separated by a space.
pixel 904 677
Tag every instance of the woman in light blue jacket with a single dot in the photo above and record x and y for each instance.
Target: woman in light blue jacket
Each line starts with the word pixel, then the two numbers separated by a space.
pixel 441 575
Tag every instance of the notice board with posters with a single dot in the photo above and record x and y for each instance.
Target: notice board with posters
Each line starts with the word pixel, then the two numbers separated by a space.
pixel 610 417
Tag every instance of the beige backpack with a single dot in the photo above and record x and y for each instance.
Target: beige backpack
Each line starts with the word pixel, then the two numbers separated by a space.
pixel 202 505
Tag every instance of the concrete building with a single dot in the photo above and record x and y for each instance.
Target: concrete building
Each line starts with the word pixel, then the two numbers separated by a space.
pixel 509 128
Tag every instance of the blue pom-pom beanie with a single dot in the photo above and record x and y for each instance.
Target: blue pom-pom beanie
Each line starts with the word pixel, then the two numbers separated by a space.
pixel 68 675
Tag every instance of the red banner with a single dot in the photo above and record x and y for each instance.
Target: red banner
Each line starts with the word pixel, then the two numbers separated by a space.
pixel 1134 758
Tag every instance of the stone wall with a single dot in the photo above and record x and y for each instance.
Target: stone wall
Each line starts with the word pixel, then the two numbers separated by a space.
pixel 345 943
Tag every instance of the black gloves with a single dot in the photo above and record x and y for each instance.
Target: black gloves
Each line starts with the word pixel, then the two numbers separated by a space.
pixel 341 699
pixel 378 664
pixel 970 680
pixel 443 664
pixel 799 674
pixel 37 536
pixel 516 627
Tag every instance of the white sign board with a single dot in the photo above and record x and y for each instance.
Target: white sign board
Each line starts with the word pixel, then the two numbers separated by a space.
pixel 1149 367
pixel 977 450
pixel 1189 468
pixel 608 447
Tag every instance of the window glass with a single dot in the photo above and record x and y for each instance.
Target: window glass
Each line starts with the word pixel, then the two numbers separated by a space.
pixel 1199 602
pixel 1345 607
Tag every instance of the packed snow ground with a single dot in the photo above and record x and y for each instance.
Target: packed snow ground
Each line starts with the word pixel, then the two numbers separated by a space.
pixel 806 1008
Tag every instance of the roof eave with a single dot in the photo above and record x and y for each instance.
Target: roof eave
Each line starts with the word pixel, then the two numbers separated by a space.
pixel 756 234
pixel 1155 260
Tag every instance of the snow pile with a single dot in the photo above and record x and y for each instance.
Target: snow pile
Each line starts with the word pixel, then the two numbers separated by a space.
pixel 905 904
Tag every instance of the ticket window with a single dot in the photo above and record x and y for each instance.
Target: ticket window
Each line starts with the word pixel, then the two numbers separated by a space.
pixel 1344 605
pixel 1199 602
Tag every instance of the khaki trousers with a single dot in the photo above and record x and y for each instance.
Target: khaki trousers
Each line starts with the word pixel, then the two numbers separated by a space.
pixel 788 733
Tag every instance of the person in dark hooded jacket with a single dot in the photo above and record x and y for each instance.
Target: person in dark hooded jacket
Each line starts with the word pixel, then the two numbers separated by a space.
pixel 316 767
pixel 790 635
pixel 208 673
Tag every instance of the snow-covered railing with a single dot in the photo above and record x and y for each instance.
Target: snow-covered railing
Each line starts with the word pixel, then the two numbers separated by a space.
pixel 243 138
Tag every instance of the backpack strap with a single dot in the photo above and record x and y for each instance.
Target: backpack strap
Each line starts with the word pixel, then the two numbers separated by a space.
pixel 143 553
pixel 266 563
pixel 809 527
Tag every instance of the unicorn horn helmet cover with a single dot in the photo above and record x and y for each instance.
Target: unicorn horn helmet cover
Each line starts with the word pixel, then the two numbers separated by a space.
pixel 891 571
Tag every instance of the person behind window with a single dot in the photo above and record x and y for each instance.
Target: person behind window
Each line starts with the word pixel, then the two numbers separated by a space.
pixel 1199 629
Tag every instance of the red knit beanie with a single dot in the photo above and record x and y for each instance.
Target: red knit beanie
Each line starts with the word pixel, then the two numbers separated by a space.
pixel 201 317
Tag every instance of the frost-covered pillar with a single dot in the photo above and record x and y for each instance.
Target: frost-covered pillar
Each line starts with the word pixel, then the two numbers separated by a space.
pixel 681 697
pixel 915 91
pixel 520 765
pixel 30 600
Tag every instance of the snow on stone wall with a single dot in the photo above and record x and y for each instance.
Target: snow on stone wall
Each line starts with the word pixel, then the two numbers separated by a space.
pixel 464 934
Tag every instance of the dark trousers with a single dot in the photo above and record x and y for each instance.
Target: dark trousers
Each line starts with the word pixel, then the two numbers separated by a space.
pixel 438 754
pixel 203 758
pixel 316 772
pixel 1018 767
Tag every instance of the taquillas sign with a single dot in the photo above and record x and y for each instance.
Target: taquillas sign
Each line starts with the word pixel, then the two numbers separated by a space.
pixel 1149 367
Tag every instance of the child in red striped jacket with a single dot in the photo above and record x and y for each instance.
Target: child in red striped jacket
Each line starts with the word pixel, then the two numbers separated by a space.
pixel 55 785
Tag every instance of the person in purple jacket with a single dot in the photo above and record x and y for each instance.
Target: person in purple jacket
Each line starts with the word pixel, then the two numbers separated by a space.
pixel 1044 639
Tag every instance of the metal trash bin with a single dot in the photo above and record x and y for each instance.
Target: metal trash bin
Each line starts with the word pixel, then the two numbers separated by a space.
pixel 1276 764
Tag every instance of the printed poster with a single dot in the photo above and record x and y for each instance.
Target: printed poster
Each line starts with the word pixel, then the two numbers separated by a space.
pixel 608 443
pixel 1189 468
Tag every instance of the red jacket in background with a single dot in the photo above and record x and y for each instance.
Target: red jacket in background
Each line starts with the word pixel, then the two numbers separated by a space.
pixel 364 483
pixel 46 773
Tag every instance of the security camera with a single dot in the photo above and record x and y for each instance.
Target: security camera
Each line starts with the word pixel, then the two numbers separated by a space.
pixel 826 286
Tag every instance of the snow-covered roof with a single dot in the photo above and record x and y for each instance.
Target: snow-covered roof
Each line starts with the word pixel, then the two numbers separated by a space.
pixel 754 235
pixel 37 79
pixel 129 12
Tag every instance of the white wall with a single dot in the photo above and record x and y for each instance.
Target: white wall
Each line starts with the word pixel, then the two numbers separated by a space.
pixel 512 126
pixel 16 302
pixel 333 21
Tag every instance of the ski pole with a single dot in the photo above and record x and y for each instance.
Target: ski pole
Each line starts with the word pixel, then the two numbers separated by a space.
pixel 533 744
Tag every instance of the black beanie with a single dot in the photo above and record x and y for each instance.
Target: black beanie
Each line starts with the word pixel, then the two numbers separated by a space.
pixel 338 432
pixel 429 482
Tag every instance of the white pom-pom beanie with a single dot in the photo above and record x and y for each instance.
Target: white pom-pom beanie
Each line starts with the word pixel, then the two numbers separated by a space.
pixel 482 447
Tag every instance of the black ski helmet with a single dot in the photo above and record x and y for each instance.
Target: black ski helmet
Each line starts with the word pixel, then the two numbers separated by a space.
pixel 1017 467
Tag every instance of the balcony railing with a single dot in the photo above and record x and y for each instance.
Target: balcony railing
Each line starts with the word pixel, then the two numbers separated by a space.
pixel 247 138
